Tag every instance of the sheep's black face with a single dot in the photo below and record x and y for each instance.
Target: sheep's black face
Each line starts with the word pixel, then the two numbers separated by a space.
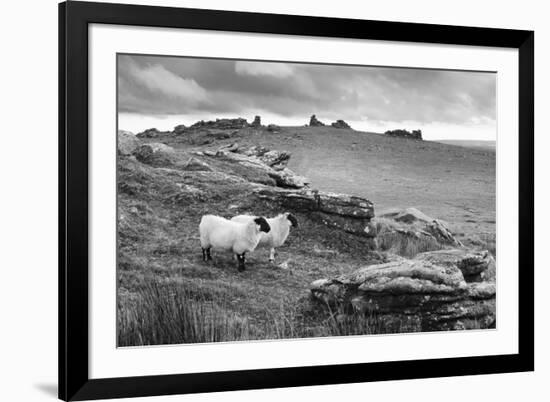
pixel 264 226
pixel 292 219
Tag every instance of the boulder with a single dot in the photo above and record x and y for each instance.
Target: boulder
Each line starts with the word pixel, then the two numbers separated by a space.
pixel 282 176
pixel 127 142
pixel 179 129
pixel 308 200
pixel 313 122
pixel 287 178
pixel 272 158
pixel 276 159
pixel 257 123
pixel 155 154
pixel 152 133
pixel 340 211
pixel 341 124
pixel 256 150
pixel 415 134
pixel 411 222
pixel 436 297
pixel 471 263
pixel 490 274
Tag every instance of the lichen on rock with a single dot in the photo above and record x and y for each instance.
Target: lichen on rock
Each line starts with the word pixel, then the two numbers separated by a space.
pixel 435 294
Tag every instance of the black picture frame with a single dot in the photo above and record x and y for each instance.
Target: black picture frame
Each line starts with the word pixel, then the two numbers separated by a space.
pixel 74 18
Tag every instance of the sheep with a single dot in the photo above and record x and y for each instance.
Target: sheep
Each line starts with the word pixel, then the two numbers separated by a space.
pixel 280 228
pixel 222 234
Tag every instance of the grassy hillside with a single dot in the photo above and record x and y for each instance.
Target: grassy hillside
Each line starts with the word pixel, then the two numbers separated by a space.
pixel 167 294
pixel 449 182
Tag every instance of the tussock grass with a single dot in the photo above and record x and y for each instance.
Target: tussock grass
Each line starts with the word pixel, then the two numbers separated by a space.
pixel 174 314
pixel 170 315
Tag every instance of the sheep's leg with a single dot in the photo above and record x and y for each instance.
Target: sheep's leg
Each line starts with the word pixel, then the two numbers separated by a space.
pixel 206 254
pixel 240 257
pixel 272 254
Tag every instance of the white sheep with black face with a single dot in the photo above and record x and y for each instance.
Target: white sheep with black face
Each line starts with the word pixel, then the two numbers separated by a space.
pixel 238 237
pixel 276 237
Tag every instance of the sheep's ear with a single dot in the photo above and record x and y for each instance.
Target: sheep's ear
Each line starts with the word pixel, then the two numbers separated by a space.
pixel 292 219
pixel 262 222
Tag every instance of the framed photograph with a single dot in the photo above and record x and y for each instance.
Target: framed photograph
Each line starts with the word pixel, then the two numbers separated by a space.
pixel 258 200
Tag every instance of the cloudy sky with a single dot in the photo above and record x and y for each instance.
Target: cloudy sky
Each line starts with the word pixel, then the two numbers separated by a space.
pixel 163 91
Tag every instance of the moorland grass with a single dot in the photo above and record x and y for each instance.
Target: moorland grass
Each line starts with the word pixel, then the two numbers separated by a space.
pixel 175 314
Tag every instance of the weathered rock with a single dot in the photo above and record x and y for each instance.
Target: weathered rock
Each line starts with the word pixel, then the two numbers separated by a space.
pixel 340 124
pixel 283 177
pixel 273 128
pixel 442 233
pixel 340 211
pixel 272 158
pixel 276 159
pixel 408 215
pixel 180 129
pixel 127 142
pixel 255 150
pixel 152 133
pixel 287 178
pixel 414 223
pixel 155 154
pixel 313 122
pixel 345 205
pixel 195 164
pixel 415 134
pixel 470 262
pixel 490 274
pixel 435 296
pixel 222 124
pixel 317 201
pixel 257 122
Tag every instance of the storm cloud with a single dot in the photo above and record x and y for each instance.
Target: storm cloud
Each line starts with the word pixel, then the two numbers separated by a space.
pixel 154 85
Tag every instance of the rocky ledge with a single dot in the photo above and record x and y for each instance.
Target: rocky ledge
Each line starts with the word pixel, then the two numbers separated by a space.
pixel 340 211
pixel 272 163
pixel 152 133
pixel 414 135
pixel 221 124
pixel 341 124
pixel 428 292
pixel 476 266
